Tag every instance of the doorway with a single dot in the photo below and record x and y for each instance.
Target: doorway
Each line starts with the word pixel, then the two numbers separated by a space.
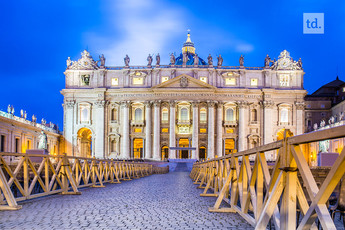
pixel 138 144
pixel 184 143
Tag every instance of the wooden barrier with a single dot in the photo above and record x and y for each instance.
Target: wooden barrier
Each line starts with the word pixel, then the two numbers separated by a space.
pixel 258 195
pixel 59 174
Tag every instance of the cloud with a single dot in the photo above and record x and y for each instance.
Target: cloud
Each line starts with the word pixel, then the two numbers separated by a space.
pixel 137 28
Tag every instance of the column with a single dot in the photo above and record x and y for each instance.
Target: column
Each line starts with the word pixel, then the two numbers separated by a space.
pixel 68 127
pixel 267 126
pixel 99 129
pixel 195 137
pixel 210 130
pixel 242 140
pixel 219 140
pixel 156 131
pixel 299 117
pixel 148 142
pixel 172 132
pixel 125 130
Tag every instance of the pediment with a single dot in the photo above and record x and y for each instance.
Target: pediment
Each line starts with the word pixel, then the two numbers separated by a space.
pixel 184 81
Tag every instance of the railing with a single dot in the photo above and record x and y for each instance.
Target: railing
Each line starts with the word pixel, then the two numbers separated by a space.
pixel 181 66
pixel 258 195
pixel 27 179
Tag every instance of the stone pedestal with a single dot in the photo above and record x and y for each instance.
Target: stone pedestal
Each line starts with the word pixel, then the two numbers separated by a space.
pixel 36 152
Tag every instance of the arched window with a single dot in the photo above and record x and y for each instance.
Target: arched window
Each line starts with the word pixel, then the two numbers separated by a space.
pixel 85 114
pixel 184 114
pixel 203 116
pixel 114 114
pixel 165 114
pixel 284 115
pixel 229 114
pixel 254 115
pixel 138 114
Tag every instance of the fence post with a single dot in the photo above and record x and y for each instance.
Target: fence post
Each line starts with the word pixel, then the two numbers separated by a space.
pixel 67 177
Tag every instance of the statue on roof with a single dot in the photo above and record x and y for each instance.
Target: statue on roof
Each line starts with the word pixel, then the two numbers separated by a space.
pixel 196 60
pixel 149 60
pixel 12 110
pixel 102 58
pixel 68 62
pixel 127 60
pixel 34 118
pixel 172 59
pixel 220 60
pixel 241 60
pixel 158 59
pixel 9 109
pixel 299 63
pixel 21 113
pixel 184 59
pixel 210 60
pixel 267 61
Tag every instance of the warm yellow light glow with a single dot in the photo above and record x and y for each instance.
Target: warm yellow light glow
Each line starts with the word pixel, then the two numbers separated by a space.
pixel 254 82
pixel 165 130
pixel 202 130
pixel 137 73
pixel 229 131
pixel 138 81
pixel 114 81
pixel 164 79
pixel 230 81
pixel 230 74
pixel 203 79
pixel 137 130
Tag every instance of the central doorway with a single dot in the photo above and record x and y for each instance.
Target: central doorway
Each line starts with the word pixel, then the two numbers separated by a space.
pixel 184 143
pixel 138 144
pixel 84 142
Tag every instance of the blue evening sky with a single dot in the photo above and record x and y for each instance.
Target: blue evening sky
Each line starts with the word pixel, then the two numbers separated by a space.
pixel 38 36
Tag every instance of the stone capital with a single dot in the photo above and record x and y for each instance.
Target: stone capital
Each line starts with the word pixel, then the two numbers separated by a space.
pixel 125 104
pixel 101 103
pixel 172 103
pixel 220 105
pixel 148 104
pixel 211 103
pixel 300 105
pixel 195 104
pixel 69 104
pixel 242 104
pixel 266 104
pixel 157 103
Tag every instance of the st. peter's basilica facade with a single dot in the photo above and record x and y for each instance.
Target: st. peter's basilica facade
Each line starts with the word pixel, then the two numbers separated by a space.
pixel 191 108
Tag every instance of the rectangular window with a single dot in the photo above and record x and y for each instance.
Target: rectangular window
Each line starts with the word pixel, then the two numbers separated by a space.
pixel 202 130
pixel 138 81
pixel 254 82
pixel 28 144
pixel 229 131
pixel 230 81
pixel 183 130
pixel 284 80
pixel 165 130
pixel 114 81
pixel 203 79
pixel 17 145
pixel 2 143
pixel 164 79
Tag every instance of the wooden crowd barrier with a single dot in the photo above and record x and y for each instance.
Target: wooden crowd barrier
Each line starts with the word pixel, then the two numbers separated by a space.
pixel 59 174
pixel 250 190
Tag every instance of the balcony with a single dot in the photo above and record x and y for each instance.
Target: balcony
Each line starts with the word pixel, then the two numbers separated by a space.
pixel 230 123
pixel 138 123
pixel 184 122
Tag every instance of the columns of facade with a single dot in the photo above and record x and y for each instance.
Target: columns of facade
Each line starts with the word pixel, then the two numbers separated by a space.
pixel 125 130
pixel 195 137
pixel 156 131
pixel 299 117
pixel 99 129
pixel 219 140
pixel 210 130
pixel 172 132
pixel 148 142
pixel 68 127
pixel 267 126
pixel 242 118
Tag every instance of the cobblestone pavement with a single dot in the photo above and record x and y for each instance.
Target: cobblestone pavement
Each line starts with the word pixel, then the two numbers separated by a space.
pixel 168 201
